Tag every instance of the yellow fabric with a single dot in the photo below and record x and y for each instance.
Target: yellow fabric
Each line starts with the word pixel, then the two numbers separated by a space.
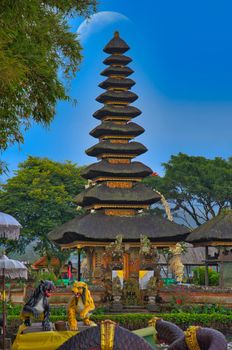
pixel 41 340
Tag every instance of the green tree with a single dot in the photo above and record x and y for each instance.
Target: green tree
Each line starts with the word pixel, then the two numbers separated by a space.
pixel 197 188
pixel 36 43
pixel 40 196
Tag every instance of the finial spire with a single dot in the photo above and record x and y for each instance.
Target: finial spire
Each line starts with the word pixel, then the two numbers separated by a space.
pixel 116 34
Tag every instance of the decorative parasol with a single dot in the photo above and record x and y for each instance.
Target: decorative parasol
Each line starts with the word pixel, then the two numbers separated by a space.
pixel 11 269
pixel 9 227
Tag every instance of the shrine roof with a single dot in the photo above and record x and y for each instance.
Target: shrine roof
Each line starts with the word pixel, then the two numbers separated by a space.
pixel 104 168
pixel 100 227
pixel 116 45
pixel 117 83
pixel 117 59
pixel 104 147
pixel 111 128
pixel 117 71
pixel 218 229
pixel 117 95
pixel 139 193
pixel 117 111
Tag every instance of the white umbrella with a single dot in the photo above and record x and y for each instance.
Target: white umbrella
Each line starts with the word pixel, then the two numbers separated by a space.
pixel 9 227
pixel 12 269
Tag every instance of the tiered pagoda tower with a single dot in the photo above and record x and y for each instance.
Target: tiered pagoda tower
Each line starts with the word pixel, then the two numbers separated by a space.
pixel 117 188
pixel 116 201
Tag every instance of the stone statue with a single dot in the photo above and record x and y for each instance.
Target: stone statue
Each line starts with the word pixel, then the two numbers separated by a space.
pixel 145 245
pixel 116 246
pixel 175 262
pixel 152 286
pixel 116 286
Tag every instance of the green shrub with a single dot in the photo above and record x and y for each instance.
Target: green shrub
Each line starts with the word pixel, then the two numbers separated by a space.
pixel 199 276
pixel 136 321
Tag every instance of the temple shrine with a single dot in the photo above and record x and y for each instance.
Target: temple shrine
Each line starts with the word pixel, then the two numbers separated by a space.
pixel 117 229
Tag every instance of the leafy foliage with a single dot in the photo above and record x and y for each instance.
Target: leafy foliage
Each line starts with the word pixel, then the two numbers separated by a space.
pixel 196 187
pixel 199 276
pixel 40 196
pixel 35 43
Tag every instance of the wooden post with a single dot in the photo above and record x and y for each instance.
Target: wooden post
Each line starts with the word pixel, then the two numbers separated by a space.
pixel 4 310
pixel 79 265
pixel 206 266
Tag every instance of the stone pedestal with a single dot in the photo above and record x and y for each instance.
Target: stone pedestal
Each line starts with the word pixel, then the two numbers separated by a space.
pixel 151 306
pixel 117 304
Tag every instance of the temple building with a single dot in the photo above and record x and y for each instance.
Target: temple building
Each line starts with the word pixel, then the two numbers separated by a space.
pixel 216 233
pixel 116 201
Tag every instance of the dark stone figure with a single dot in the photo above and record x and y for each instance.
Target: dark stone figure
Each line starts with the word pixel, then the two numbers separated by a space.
pixel 37 306
pixel 194 338
pixel 103 337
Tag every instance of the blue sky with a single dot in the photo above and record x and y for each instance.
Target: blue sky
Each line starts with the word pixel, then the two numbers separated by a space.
pixel 182 57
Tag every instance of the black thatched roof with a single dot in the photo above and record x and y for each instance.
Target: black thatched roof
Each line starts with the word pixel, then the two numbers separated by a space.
pixel 104 168
pixel 117 111
pixel 217 229
pixel 116 148
pixel 116 70
pixel 100 227
pixel 117 59
pixel 100 193
pixel 117 83
pixel 111 128
pixel 116 45
pixel 117 96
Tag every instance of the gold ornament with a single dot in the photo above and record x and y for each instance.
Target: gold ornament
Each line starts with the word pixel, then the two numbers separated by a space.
pixel 107 334
pixel 191 338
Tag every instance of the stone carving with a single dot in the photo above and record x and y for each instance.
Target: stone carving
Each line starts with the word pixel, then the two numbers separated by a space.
pixel 152 290
pixel 148 254
pixel 145 245
pixel 131 293
pixel 175 262
pixel 115 251
pixel 152 286
pixel 117 294
pixel 116 286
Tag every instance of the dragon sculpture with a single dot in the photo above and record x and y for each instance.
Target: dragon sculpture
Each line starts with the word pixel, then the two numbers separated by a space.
pixel 37 306
pixel 194 338
pixel 106 336
pixel 110 336
pixel 81 304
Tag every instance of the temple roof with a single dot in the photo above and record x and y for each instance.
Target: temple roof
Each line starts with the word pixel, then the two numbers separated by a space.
pixel 101 193
pixel 104 147
pixel 117 59
pixel 117 71
pixel 116 45
pixel 111 128
pixel 218 229
pixel 125 83
pixel 117 96
pixel 100 227
pixel 117 111
pixel 104 168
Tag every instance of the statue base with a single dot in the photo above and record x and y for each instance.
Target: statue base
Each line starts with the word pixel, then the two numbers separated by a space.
pixel 116 306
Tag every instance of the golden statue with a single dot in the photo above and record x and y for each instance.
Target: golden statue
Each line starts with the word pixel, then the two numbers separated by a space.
pixel 175 262
pixel 81 304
